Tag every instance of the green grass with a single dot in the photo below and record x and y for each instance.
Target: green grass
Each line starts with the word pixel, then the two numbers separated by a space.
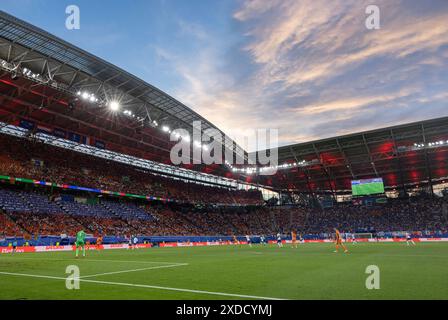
pixel 312 271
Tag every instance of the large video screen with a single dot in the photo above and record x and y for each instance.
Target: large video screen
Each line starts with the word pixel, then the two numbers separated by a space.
pixel 367 187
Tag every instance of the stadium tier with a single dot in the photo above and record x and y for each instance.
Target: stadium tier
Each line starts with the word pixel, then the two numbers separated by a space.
pixel 31 215
pixel 24 158
pixel 47 209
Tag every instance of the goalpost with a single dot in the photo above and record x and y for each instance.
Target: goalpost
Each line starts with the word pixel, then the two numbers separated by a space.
pixel 347 237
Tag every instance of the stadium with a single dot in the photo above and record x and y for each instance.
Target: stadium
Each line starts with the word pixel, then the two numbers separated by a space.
pixel 87 146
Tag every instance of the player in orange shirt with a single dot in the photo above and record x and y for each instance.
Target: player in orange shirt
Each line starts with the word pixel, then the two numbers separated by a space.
pixel 338 241
pixel 294 239
pixel 99 242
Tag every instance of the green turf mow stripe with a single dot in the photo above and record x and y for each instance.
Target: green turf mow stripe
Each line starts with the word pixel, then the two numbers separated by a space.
pixel 146 286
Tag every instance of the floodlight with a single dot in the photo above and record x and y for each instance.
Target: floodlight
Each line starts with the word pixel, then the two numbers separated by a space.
pixel 114 106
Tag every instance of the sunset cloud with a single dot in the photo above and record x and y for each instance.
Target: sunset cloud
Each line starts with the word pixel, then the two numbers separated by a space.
pixel 313 70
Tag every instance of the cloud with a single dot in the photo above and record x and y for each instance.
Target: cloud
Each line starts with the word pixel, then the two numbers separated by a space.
pixel 192 29
pixel 316 40
pixel 311 69
pixel 352 103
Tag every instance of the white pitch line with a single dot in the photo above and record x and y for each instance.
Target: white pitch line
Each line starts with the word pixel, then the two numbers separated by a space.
pixel 146 286
pixel 128 261
pixel 409 255
pixel 93 260
pixel 135 270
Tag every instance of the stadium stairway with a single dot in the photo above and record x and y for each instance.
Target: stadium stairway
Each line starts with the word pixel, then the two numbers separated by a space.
pixel 115 210
pixel 10 202
pixel 306 223
pixel 121 213
pixel 192 222
pixel 40 203
pixel 234 228
pixel 259 218
pixel 127 211
pixel 273 221
pixel 62 205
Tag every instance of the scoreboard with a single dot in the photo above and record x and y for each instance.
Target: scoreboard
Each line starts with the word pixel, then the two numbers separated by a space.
pixel 367 187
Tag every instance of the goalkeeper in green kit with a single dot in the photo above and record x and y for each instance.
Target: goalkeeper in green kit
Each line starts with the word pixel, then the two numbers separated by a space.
pixel 80 242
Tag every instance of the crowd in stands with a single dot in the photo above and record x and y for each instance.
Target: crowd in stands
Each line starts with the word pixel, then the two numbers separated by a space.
pixel 398 214
pixel 8 227
pixel 27 158
pixel 29 213
pixel 44 224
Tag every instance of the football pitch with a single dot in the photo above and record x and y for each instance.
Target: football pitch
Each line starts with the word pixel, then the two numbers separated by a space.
pixel 311 271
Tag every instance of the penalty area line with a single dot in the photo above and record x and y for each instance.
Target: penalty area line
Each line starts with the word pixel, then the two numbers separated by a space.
pixel 135 270
pixel 223 294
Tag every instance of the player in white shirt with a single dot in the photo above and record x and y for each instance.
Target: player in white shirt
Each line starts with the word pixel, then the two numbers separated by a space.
pixel 130 243
pixel 262 240
pixel 354 239
pixel 249 242
pixel 279 240
pixel 409 239
pixel 133 240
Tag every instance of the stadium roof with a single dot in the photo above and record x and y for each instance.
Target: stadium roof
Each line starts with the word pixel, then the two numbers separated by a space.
pixel 71 69
pixel 61 70
pixel 407 154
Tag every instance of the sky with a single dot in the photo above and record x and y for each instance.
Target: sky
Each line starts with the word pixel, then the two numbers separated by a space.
pixel 309 68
